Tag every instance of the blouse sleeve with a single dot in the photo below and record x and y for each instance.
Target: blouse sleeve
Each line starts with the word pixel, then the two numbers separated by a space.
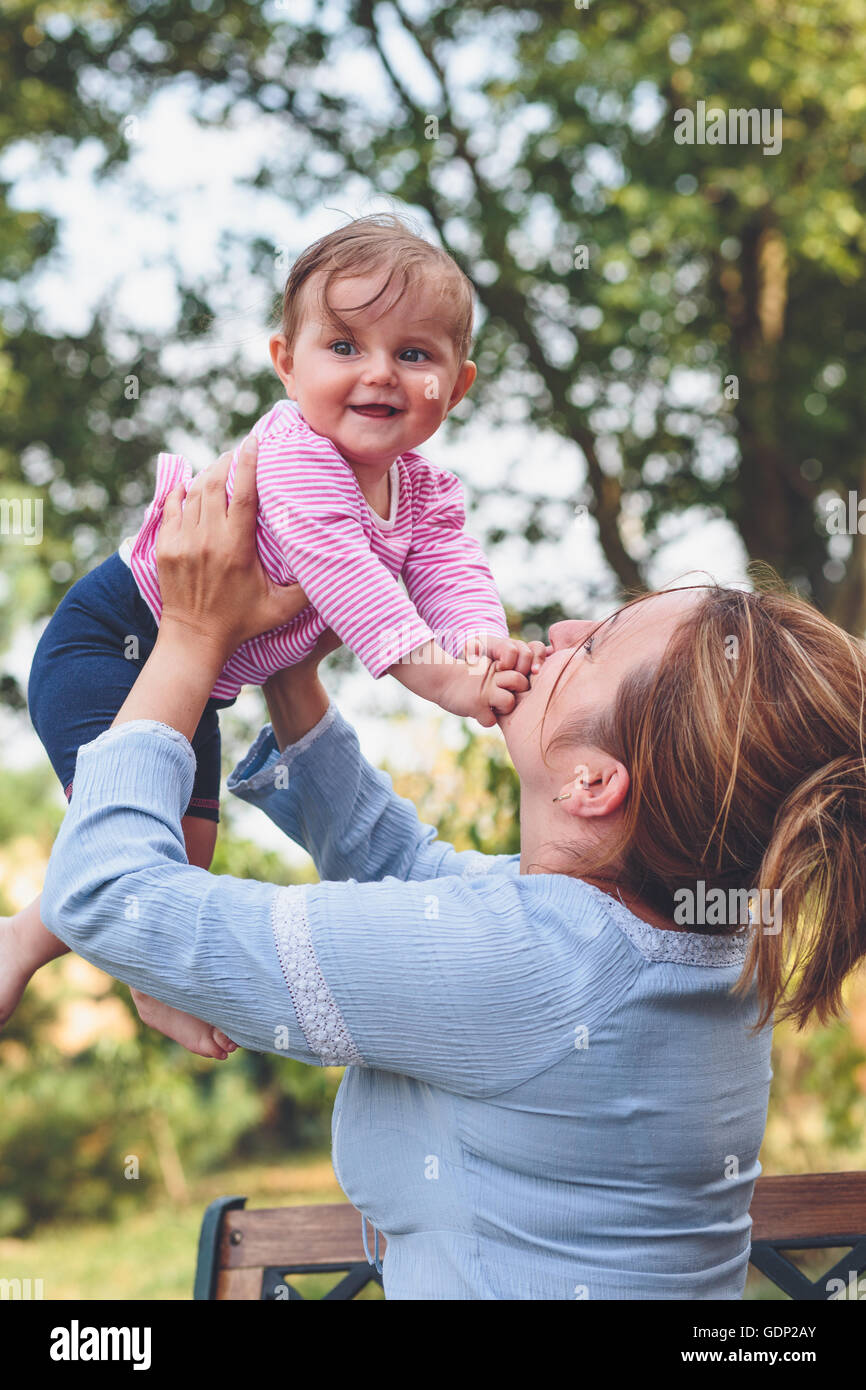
pixel 327 798
pixel 470 985
pixel 308 502
pixel 463 984
pixel 120 892
pixel 446 571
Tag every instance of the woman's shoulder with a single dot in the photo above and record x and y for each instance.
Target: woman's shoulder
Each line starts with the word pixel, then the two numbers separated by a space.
pixel 551 919
pixel 583 911
pixel 656 943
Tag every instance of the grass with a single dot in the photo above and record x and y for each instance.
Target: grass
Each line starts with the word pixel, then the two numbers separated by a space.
pixel 152 1254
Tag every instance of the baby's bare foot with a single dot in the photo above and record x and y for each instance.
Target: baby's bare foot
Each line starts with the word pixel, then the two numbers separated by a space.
pixel 198 1037
pixel 17 964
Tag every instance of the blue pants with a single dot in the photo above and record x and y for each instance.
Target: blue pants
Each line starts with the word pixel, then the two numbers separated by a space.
pixel 86 663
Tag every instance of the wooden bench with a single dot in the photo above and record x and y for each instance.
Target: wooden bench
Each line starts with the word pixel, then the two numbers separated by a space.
pixel 252 1254
pixel 810 1211
pixel 246 1254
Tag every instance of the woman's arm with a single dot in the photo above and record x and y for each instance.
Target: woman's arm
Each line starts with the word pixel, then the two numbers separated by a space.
pixel 296 698
pixel 309 776
pixel 215 594
pixel 119 892
pixel 469 985
pixel 208 565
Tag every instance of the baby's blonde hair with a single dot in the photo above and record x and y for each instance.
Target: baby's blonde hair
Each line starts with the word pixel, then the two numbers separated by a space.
pixel 380 241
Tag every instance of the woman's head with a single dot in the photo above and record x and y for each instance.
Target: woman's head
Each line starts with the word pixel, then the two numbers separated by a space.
pixel 722 748
pixel 375 337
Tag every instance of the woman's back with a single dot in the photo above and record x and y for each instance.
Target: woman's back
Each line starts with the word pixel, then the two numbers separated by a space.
pixel 623 1168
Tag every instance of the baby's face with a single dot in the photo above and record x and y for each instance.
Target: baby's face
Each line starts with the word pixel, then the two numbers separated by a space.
pixel 388 387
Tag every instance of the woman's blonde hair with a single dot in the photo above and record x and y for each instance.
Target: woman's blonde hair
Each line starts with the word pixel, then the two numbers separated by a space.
pixel 745 751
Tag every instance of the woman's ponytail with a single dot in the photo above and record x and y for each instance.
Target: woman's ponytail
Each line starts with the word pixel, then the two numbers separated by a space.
pixel 816 864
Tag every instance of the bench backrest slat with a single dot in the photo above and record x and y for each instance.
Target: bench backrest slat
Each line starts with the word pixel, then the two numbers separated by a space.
pixel 328 1235
pixel 809 1206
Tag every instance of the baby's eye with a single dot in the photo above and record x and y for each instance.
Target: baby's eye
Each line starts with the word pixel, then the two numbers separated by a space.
pixel 336 347
pixel 416 350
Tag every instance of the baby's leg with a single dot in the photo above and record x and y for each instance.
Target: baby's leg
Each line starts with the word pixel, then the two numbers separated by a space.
pixel 196 1036
pixel 25 944
pixel 200 839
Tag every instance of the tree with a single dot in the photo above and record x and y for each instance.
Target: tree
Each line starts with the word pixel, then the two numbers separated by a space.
pixel 688 316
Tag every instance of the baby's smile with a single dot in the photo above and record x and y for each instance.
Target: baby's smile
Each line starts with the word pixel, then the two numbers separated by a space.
pixel 374 411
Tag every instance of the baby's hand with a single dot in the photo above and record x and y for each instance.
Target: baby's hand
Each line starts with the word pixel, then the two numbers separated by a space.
pixel 509 652
pixel 481 691
pixel 491 680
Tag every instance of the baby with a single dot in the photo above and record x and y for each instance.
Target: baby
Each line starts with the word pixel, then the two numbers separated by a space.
pixel 373 353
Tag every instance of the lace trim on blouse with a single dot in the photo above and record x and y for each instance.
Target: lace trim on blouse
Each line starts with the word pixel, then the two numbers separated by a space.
pixel 654 943
pixel 688 948
pixel 318 1013
pixel 141 726
pixel 476 866
pixel 294 750
pixel 267 775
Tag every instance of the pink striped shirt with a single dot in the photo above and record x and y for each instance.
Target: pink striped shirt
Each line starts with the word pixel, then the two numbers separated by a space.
pixel 316 528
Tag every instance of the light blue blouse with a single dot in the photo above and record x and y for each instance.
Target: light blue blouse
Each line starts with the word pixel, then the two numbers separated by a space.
pixel 545 1097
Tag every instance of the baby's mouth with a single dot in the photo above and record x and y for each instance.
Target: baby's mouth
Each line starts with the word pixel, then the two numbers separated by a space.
pixel 375 412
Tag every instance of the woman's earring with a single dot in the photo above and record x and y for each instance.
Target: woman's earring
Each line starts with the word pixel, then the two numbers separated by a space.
pixel 581 772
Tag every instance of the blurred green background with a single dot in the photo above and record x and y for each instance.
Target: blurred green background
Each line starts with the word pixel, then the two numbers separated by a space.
pixel 675 332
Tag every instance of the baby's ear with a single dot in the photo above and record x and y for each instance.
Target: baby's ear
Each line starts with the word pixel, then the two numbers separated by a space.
pixel 465 377
pixel 282 359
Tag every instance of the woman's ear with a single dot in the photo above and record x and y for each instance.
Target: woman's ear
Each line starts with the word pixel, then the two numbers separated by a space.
pixel 597 790
pixel 283 361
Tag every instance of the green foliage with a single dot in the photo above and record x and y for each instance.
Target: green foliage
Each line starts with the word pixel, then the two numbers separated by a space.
pixel 27 806
pixel 153 1255
pixel 472 797
pixel 244 859
pixel 69 1125
pixel 69 1129
pixel 833 1058
pixel 502 789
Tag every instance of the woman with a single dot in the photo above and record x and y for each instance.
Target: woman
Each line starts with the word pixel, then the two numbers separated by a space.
pixel 551 1092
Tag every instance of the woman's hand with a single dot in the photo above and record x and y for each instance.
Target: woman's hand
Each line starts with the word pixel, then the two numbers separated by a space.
pixel 215 595
pixel 211 579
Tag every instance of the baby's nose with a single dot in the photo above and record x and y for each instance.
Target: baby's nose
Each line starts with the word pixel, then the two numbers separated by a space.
pixel 379 368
